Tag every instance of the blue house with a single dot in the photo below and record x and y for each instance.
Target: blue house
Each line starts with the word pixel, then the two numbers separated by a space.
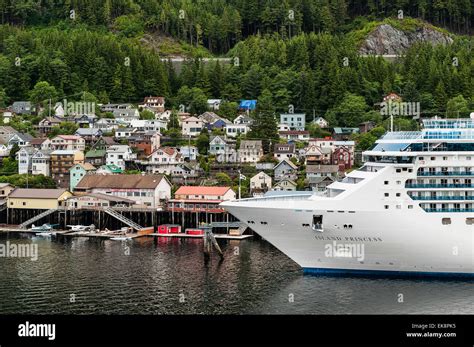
pixel 248 105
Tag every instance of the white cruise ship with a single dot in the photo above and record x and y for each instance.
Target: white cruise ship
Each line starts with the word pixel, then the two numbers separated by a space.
pixel 409 210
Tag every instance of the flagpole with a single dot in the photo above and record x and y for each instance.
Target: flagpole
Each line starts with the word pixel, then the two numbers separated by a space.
pixel 240 183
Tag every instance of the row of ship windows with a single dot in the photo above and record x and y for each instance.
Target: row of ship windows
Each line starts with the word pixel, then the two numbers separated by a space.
pixel 404 169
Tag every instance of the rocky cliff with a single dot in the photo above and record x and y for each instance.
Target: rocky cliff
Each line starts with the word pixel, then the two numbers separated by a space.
pixel 385 39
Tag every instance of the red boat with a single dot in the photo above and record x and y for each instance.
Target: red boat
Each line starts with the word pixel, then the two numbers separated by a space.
pixel 169 229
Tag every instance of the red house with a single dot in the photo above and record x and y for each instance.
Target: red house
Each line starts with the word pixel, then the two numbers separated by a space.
pixel 341 156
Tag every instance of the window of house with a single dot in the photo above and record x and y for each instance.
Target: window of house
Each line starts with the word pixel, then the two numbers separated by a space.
pixel 386 207
pixel 398 194
pixel 446 221
pixel 386 194
pixel 385 182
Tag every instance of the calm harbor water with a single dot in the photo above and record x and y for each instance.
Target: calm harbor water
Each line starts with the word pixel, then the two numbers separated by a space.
pixel 170 276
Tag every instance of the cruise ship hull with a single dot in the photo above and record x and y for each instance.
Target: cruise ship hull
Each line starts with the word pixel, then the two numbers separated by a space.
pixel 362 242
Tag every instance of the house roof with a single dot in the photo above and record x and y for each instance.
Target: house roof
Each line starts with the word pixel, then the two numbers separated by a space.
pixel 250 144
pixel 37 141
pixel 37 193
pixel 51 120
pixel 322 168
pixel 24 136
pixel 293 166
pixel 96 153
pixel 167 150
pixel 120 181
pixel 201 190
pixel 339 130
pixel 294 132
pixel 70 137
pixel 159 99
pixel 192 119
pixel 293 183
pixel 112 168
pixel 88 131
pixel 316 180
pixel 108 140
pixel 87 166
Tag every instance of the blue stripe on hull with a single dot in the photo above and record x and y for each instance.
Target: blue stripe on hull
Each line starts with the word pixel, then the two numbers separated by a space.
pixel 353 272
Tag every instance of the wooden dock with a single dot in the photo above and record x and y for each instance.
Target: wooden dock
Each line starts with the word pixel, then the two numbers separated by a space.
pixel 217 236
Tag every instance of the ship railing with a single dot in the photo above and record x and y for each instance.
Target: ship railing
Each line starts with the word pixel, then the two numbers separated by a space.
pixel 279 197
pixel 449 209
pixel 442 197
pixel 446 173
pixel 410 186
pixel 402 135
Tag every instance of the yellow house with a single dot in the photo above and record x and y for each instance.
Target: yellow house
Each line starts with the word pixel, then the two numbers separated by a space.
pixel 5 190
pixel 43 199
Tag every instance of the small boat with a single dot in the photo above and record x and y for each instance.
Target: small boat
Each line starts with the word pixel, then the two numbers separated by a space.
pixel 120 238
pixel 43 228
pixel 44 234
pixel 82 227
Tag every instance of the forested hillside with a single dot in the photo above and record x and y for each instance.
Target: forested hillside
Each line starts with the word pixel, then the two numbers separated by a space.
pixel 219 24
pixel 310 60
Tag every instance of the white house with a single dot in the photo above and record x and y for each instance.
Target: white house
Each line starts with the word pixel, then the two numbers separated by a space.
pixel 250 151
pixel 189 152
pixel 147 190
pixel 213 104
pixel 7 116
pixel 296 121
pixel 118 155
pixel 164 160
pixel 284 151
pixel 24 157
pixel 154 102
pixel 285 184
pixel 261 182
pixel 294 135
pixel 166 115
pixel 321 122
pixel 126 115
pixel 107 125
pixel 41 163
pixel 283 127
pixel 191 126
pixel 243 119
pixel 124 133
pixel 234 130
pixel 149 124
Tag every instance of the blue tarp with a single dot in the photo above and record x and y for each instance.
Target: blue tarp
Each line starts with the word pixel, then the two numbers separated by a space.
pixel 248 104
